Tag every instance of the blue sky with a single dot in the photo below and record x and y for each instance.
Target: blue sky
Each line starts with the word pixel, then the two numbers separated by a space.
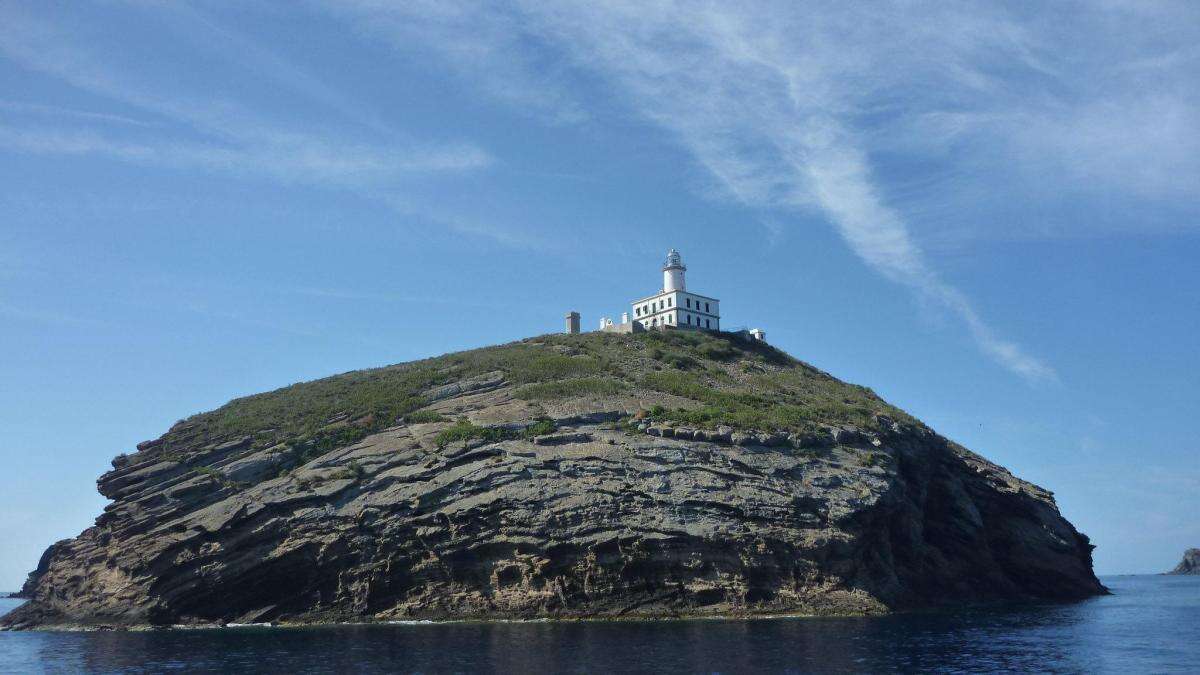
pixel 988 214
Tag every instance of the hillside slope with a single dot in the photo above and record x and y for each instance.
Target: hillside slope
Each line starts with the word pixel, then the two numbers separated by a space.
pixel 656 474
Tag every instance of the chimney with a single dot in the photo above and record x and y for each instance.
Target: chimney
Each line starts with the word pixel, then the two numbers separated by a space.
pixel 572 323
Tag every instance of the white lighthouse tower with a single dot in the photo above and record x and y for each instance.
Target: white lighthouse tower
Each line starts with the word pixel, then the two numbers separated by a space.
pixel 673 270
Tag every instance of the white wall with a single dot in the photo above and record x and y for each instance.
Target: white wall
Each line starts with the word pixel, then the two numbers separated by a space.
pixel 674 308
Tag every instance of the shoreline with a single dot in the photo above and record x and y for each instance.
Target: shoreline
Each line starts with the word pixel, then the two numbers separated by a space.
pixel 78 627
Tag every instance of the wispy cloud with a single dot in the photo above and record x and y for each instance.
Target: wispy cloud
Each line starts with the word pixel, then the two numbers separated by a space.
pixel 40 110
pixel 280 156
pixel 201 130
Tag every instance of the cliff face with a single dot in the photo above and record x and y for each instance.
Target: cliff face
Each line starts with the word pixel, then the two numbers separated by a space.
pixel 564 476
pixel 1190 563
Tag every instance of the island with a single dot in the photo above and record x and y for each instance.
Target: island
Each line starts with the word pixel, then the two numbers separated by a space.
pixel 657 473
pixel 1190 563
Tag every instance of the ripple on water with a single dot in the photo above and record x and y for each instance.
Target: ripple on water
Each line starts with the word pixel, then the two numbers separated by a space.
pixel 1149 624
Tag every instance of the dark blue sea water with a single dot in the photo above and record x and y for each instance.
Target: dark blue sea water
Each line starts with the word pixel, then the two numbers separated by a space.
pixel 1149 624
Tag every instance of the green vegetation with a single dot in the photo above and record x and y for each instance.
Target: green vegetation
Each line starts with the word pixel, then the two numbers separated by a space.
pixel 540 428
pixel 794 399
pixel 740 383
pixel 766 390
pixel 306 415
pixel 583 386
pixel 462 430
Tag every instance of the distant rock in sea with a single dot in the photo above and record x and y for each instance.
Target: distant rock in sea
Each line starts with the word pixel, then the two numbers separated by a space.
pixel 1190 563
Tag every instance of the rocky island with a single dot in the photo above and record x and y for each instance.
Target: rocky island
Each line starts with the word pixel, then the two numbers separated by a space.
pixel 1190 563
pixel 655 474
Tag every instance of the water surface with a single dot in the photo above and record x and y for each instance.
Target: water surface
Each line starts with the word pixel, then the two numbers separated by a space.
pixel 1150 624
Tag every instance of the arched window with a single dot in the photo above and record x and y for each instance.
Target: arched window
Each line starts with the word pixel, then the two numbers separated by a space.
pixel 706 323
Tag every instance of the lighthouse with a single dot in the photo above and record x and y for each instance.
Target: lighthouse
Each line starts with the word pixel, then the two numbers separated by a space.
pixel 674 306
pixel 673 270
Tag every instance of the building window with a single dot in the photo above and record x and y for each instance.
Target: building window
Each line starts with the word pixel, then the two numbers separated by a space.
pixel 689 318
pixel 689 303
pixel 706 306
pixel 669 301
pixel 706 323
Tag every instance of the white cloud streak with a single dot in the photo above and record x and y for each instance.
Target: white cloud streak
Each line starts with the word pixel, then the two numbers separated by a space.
pixel 207 132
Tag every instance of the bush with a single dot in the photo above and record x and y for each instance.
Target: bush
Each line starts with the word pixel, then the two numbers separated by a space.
pixel 540 428
pixel 465 431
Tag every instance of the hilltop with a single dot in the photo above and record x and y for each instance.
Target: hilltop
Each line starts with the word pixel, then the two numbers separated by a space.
pixel 651 474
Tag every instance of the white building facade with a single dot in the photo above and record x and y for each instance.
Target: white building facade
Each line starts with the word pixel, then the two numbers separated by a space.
pixel 674 305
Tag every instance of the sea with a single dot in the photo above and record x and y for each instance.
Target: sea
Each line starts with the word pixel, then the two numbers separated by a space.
pixel 1150 624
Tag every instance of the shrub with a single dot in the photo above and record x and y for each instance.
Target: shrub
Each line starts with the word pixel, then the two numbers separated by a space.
pixel 540 428
pixel 465 431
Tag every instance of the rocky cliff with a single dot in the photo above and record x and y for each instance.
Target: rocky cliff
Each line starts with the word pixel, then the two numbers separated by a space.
pixel 658 474
pixel 1190 563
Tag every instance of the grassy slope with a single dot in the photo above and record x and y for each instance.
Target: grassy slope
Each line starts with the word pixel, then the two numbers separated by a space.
pixel 733 382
